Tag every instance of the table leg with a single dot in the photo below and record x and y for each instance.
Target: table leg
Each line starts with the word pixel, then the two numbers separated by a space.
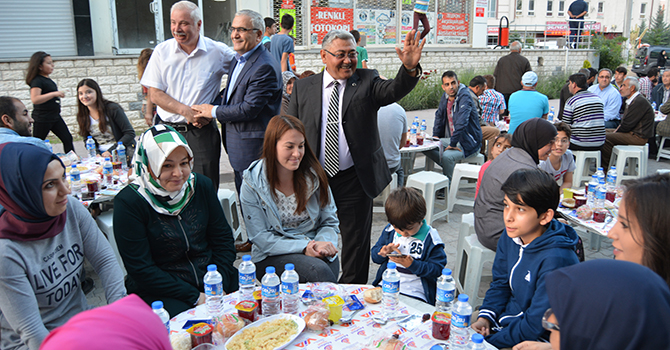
pixel 595 240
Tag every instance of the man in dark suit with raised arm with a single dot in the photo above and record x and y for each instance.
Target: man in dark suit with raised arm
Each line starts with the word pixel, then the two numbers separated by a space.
pixel 251 98
pixel 339 109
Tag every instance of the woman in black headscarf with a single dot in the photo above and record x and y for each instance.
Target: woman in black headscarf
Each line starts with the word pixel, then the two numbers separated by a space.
pixel 607 304
pixel 531 142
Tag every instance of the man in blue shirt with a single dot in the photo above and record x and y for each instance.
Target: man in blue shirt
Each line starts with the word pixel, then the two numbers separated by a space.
pixel 16 123
pixel 281 44
pixel 527 103
pixel 610 97
pixel 577 11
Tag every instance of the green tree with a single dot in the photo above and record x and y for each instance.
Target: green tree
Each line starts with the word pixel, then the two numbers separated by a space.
pixel 659 31
pixel 609 51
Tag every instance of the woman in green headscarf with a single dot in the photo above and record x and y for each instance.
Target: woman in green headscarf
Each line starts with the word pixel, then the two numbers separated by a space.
pixel 169 225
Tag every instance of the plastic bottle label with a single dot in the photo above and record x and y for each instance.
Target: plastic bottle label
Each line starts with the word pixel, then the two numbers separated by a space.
pixel 445 296
pixel 461 321
pixel 390 287
pixel 270 291
pixel 214 289
pixel 75 177
pixel 289 287
pixel 247 278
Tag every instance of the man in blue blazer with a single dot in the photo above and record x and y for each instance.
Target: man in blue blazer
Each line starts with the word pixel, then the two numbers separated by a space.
pixel 252 95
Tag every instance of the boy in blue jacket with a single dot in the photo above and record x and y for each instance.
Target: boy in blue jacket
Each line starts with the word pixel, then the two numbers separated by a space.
pixel 532 245
pixel 412 244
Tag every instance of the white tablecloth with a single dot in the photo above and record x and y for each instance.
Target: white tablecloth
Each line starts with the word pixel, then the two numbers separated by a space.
pixel 347 336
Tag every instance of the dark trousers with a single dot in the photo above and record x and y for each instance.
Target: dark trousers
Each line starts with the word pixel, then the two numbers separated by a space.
pixel 576 27
pixel 506 96
pixel 309 269
pixel 618 138
pixel 206 146
pixel 41 130
pixel 574 147
pixel 354 209
pixel 424 20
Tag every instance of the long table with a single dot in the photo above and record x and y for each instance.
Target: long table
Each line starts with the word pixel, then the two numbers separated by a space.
pixel 342 336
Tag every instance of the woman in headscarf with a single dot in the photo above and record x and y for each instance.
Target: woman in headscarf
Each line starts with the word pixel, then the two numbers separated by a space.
pixel 169 225
pixel 609 305
pixel 531 142
pixel 45 234
pixel 642 232
pixel 289 211
pixel 288 78
pixel 127 324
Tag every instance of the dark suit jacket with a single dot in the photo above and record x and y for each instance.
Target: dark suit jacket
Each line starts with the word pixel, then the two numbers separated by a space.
pixel 638 118
pixel 364 94
pixel 255 99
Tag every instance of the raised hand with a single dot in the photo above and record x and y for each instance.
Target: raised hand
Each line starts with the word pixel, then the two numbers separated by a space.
pixel 411 51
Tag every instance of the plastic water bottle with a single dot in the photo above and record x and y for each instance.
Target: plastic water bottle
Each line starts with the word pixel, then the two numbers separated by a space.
pixel 600 173
pixel 550 117
pixel 213 291
pixel 107 171
pixel 412 135
pixel 90 146
pixel 416 121
pixel 444 299
pixel 75 181
pixel 247 275
pixel 157 307
pixel 600 195
pixel 423 126
pixel 591 195
pixel 289 290
pixel 121 152
pixel 48 144
pixel 477 342
pixel 653 105
pixel 460 323
pixel 270 292
pixel 611 179
pixel 390 290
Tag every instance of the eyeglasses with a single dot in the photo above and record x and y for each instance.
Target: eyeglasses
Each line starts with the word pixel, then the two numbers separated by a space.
pixel 562 141
pixel 340 55
pixel 548 325
pixel 242 30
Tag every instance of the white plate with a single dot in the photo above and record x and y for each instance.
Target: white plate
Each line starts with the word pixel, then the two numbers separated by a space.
pixel 298 320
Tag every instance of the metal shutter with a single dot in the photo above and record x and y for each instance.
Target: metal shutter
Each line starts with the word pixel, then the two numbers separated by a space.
pixel 27 26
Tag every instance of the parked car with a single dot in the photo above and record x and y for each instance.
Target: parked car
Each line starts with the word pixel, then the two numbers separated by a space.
pixel 646 57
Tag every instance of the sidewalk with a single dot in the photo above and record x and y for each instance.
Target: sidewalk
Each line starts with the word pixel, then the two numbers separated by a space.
pixel 448 230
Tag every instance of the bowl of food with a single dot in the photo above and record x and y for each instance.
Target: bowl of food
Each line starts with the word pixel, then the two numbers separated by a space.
pixel 270 333
pixel 568 202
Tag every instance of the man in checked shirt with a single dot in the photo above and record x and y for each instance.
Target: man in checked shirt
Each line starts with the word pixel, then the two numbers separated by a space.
pixel 493 105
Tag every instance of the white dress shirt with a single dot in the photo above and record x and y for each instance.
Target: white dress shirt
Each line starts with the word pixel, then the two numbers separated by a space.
pixel 345 155
pixel 191 79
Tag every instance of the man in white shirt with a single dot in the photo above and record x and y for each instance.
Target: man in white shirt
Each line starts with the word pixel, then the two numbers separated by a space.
pixel 186 71
pixel 610 97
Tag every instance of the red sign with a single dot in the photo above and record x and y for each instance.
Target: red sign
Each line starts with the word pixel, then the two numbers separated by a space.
pixel 562 28
pixel 325 19
pixel 452 24
pixel 287 4
pixel 479 12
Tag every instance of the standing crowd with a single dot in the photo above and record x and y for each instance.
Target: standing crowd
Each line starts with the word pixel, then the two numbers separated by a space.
pixel 307 170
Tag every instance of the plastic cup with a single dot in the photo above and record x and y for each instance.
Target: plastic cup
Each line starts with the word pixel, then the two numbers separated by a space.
pixel 335 304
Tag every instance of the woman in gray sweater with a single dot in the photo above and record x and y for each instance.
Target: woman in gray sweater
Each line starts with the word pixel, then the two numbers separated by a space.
pixel 45 234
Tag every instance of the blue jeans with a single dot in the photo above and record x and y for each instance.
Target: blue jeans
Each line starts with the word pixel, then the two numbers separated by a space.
pixel 309 269
pixel 612 124
pixel 448 159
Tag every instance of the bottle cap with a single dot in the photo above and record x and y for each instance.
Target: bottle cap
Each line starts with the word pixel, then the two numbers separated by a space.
pixel 74 166
pixel 246 257
pixel 600 168
pixel 90 137
pixel 463 297
pixel 289 267
pixel 391 265
pixel 106 159
pixel 270 269
pixel 446 271
pixel 157 305
pixel 120 143
pixel 211 267
pixel 477 338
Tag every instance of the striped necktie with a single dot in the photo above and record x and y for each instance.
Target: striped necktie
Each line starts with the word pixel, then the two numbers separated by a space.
pixel 332 154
